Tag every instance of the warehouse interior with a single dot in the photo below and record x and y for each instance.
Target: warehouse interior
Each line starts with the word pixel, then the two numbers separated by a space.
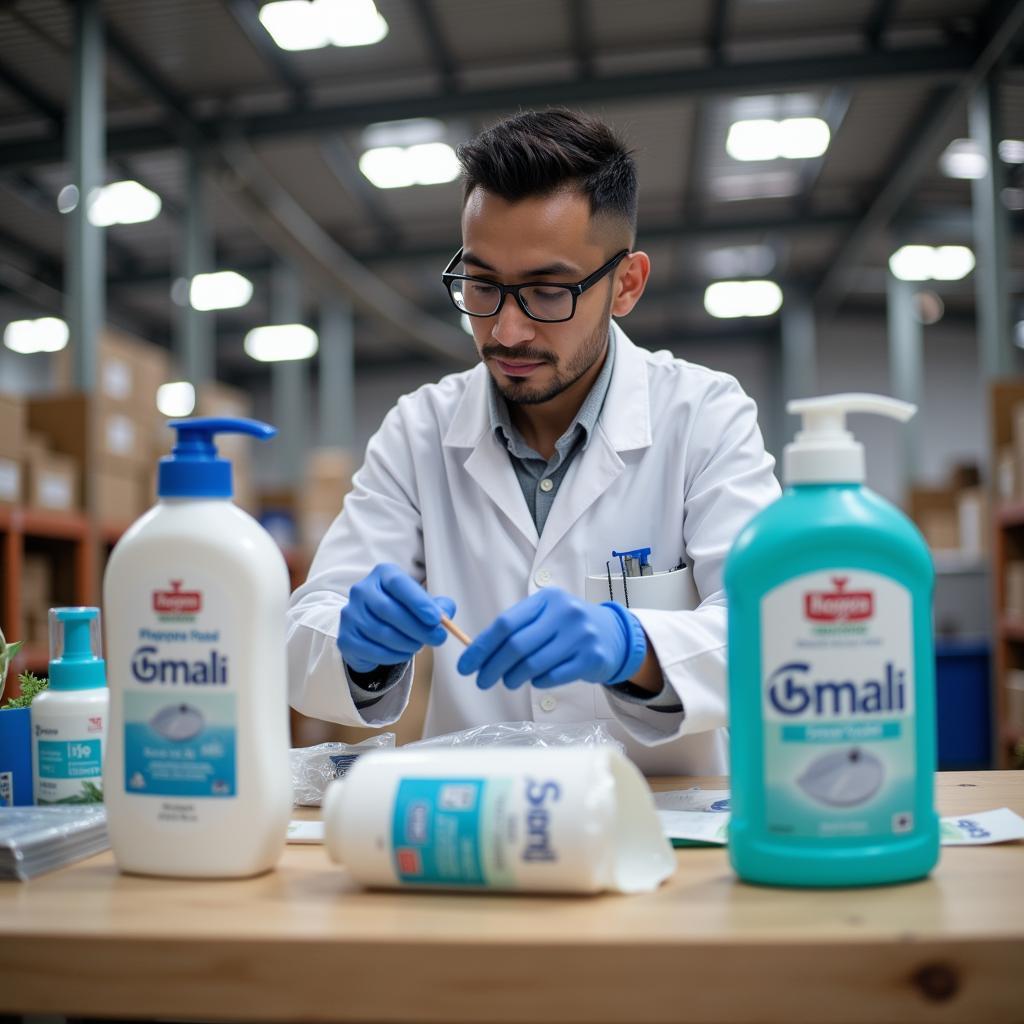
pixel 883 237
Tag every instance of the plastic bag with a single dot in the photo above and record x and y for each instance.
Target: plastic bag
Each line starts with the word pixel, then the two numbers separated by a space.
pixel 315 768
pixel 527 734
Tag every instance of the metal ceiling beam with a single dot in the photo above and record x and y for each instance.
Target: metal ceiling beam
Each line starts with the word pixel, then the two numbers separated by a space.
pixel 176 103
pixel 998 29
pixel 31 96
pixel 343 165
pixel 877 22
pixel 581 38
pixel 695 158
pixel 438 51
pixel 833 113
pixel 246 15
pixel 667 231
pixel 289 230
pixel 793 72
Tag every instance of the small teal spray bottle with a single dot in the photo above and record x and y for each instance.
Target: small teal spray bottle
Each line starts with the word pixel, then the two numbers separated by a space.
pixel 831 672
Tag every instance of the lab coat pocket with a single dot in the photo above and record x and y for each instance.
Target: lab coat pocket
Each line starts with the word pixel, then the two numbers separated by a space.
pixel 673 590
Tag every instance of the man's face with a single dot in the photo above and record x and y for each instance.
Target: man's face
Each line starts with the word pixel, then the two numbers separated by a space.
pixel 553 240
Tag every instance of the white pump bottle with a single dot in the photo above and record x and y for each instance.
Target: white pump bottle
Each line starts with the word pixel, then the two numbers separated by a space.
pixel 197 779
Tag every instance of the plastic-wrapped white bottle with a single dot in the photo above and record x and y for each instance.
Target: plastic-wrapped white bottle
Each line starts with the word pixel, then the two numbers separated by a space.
pixel 197 775
pixel 69 718
pixel 570 819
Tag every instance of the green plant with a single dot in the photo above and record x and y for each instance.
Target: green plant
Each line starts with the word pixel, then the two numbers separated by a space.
pixel 7 653
pixel 31 687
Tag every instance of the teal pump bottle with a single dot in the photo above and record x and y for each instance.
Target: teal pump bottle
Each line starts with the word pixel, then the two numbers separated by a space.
pixel 831 672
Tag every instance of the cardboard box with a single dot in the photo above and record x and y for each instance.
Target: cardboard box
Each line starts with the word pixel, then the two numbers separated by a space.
pixel 10 481
pixel 12 426
pixel 96 437
pixel 51 481
pixel 129 371
pixel 36 585
pixel 934 509
pixel 328 479
pixel 1014 584
pixel 119 497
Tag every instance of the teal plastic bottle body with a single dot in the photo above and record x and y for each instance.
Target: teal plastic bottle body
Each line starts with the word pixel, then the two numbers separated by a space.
pixel 831 692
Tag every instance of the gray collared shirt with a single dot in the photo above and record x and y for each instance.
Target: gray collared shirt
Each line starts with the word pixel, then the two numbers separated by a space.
pixel 540 478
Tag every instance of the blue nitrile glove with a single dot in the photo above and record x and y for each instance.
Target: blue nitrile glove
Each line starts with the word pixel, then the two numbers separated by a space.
pixel 552 638
pixel 388 618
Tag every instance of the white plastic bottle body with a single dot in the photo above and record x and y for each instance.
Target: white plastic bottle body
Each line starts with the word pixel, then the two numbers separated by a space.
pixel 198 779
pixel 69 739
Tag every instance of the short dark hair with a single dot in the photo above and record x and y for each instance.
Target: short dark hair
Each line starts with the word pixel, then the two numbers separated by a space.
pixel 538 153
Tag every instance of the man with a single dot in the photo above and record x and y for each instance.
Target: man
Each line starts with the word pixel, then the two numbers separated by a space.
pixel 503 487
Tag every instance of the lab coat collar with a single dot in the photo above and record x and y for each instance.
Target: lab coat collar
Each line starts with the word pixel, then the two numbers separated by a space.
pixel 624 425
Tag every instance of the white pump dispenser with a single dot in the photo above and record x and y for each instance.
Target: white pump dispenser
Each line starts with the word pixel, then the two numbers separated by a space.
pixel 824 451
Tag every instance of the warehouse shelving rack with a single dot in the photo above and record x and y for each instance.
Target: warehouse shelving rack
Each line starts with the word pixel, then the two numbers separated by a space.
pixel 1007 546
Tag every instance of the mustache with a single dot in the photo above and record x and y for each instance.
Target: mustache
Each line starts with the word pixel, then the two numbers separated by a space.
pixel 518 355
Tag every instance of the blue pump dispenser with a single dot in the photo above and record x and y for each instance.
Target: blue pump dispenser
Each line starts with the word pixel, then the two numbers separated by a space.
pixel 193 469
pixel 75 663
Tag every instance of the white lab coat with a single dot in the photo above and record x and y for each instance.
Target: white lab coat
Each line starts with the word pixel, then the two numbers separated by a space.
pixel 676 464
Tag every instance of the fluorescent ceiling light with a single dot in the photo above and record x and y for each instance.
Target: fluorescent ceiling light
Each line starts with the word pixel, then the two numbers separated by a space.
pixel 1011 151
pixel 912 262
pixel 963 159
pixel 294 24
pixel 931 263
pixel 766 185
pixel 952 263
pixel 740 261
pixel 803 138
pixel 313 24
pixel 176 399
pixel 1013 198
pixel 221 290
pixel 123 202
pixel 410 132
pixel 793 138
pixel 67 198
pixel 430 163
pixel 352 22
pixel 729 299
pixel 47 334
pixel 281 342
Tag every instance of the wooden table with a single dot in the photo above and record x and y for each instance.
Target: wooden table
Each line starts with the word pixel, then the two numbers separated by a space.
pixel 304 943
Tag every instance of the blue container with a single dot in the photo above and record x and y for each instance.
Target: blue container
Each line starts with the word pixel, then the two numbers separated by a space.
pixel 831 674
pixel 15 757
pixel 964 700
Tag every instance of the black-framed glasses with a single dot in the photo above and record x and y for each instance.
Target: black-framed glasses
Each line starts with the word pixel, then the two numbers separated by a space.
pixel 546 303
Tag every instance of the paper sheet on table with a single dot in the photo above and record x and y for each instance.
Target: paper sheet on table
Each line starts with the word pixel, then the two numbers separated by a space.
pixel 700 817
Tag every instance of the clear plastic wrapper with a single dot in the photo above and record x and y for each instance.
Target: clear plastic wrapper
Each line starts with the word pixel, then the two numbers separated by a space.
pixel 38 839
pixel 527 734
pixel 314 768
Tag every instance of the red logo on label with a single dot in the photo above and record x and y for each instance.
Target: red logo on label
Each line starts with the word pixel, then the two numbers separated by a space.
pixel 409 862
pixel 177 601
pixel 95 724
pixel 839 605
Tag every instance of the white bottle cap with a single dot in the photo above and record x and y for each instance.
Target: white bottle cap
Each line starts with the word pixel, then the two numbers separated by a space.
pixel 824 451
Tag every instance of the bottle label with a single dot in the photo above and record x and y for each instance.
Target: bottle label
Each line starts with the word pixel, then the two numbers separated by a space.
pixel 470 831
pixel 69 759
pixel 180 709
pixel 837 686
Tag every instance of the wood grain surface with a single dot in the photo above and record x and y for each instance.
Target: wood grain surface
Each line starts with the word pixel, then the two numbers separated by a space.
pixel 305 943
